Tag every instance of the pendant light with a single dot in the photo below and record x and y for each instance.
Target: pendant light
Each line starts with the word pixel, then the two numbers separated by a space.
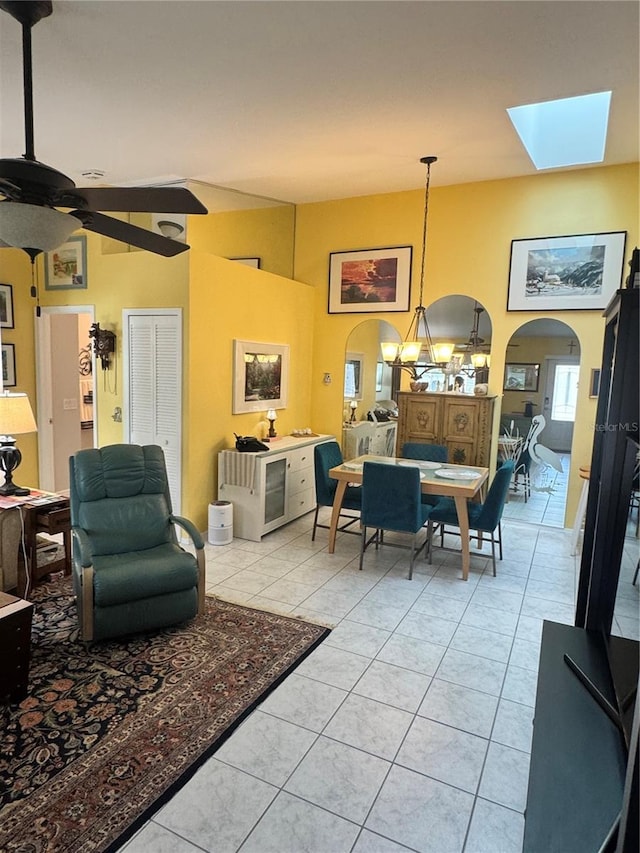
pixel 418 337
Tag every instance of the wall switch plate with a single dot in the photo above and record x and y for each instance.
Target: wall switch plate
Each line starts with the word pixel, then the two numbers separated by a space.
pixel 69 404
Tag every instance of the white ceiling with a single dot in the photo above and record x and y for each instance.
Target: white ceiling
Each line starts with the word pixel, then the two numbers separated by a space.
pixel 307 101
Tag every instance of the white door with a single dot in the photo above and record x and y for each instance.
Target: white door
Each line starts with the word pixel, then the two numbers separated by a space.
pixel 560 399
pixel 60 391
pixel 152 372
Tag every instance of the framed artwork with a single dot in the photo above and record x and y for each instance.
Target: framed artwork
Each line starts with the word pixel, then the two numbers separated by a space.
pixel 248 262
pixel 6 306
pixel 353 370
pixel 370 281
pixel 594 384
pixel 65 268
pixel 521 377
pixel 260 376
pixel 8 365
pixel 574 273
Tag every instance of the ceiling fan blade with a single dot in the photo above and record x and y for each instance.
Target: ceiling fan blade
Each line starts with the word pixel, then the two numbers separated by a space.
pixel 10 190
pixel 133 199
pixel 131 234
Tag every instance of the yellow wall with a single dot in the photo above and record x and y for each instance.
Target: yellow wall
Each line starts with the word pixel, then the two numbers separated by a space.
pixel 230 301
pixel 265 233
pixel 15 269
pixel 470 231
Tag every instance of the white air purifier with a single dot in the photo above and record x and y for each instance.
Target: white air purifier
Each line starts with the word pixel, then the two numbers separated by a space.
pixel 220 523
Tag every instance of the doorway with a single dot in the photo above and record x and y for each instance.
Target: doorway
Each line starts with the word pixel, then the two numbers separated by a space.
pixel 560 400
pixel 67 419
pixel 546 353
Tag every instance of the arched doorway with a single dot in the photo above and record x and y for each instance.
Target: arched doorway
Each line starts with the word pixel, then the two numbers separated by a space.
pixel 540 394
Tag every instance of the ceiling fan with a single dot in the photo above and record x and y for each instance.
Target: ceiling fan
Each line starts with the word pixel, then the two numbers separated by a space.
pixel 475 343
pixel 32 190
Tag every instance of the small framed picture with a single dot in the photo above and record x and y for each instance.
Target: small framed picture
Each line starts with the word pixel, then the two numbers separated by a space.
pixel 370 281
pixel 6 306
pixel 521 377
pixel 594 384
pixel 8 365
pixel 260 376
pixel 248 262
pixel 66 267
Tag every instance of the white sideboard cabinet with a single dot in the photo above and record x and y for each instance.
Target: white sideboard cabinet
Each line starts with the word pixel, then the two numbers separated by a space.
pixel 270 488
pixel 376 439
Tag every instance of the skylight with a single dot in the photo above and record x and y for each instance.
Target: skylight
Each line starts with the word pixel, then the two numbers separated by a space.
pixel 567 132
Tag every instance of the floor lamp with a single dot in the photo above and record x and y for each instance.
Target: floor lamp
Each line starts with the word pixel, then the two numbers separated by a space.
pixel 16 417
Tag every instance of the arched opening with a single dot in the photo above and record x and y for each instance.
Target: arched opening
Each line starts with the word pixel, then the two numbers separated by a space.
pixel 540 395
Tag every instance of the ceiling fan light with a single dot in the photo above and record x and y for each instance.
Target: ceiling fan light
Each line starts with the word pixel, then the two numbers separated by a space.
pixel 30 226
pixel 170 229
pixel 478 359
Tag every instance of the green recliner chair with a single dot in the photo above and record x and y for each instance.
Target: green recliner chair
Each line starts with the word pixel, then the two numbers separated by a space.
pixel 129 572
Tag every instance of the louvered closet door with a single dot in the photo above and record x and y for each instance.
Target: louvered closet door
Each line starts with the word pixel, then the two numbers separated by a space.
pixel 154 399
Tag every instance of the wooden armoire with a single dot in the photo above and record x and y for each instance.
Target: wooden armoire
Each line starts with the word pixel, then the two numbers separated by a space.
pixel 462 423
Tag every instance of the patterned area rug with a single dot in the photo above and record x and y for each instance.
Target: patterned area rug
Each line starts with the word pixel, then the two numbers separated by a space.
pixel 110 730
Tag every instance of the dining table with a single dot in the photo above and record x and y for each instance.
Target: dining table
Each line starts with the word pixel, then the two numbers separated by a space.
pixel 460 482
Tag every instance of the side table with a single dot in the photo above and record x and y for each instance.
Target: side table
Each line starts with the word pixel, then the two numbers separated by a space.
pixel 42 512
pixel 15 641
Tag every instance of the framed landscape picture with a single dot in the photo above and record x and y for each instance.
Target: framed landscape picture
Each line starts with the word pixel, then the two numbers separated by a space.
pixel 6 306
pixel 66 267
pixel 369 281
pixel 573 273
pixel 260 376
pixel 521 377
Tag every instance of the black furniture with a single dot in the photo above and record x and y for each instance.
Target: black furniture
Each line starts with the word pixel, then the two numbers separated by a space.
pixel 15 642
pixel 583 781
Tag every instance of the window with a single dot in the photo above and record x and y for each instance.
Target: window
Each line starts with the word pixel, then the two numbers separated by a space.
pixel 565 392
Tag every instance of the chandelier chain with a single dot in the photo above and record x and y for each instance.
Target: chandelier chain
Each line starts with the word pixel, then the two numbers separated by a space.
pixel 424 225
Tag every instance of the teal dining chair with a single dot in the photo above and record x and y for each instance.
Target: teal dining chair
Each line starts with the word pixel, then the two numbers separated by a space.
pixel 484 517
pixel 326 456
pixel 426 453
pixel 391 501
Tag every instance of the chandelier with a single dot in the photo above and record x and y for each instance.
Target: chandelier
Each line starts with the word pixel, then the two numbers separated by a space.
pixel 475 351
pixel 417 353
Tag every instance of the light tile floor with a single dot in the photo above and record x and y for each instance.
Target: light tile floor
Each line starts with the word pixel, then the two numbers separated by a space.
pixel 409 728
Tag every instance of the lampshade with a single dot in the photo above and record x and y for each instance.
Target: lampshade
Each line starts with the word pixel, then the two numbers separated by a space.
pixel 29 226
pixel 479 359
pixel 442 353
pixel 16 416
pixel 271 414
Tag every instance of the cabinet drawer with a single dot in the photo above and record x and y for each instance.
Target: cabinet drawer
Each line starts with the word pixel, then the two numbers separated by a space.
pixel 301 458
pixel 301 503
pixel 54 521
pixel 300 480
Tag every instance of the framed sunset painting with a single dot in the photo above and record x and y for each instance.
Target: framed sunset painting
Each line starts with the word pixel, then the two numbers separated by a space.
pixel 370 280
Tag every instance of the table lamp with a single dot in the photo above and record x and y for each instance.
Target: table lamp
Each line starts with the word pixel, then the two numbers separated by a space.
pixel 271 416
pixel 15 417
